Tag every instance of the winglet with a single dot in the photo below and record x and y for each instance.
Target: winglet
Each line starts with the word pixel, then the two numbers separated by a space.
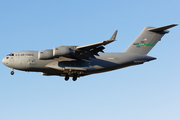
pixel 113 37
pixel 160 29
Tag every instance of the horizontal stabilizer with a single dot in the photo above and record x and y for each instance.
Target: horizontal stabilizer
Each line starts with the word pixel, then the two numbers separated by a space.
pixel 159 29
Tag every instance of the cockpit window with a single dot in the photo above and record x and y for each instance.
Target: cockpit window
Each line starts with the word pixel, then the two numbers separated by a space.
pixel 10 54
pixel 7 57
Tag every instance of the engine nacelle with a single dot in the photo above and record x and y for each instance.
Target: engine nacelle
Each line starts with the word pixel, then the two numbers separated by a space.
pixel 45 54
pixel 62 50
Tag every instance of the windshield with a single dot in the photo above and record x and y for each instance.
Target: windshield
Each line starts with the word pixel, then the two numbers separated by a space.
pixel 11 54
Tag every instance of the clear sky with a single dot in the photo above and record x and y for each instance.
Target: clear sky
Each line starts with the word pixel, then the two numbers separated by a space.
pixel 145 92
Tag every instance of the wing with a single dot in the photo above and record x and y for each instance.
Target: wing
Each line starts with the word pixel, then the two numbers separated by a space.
pixel 86 51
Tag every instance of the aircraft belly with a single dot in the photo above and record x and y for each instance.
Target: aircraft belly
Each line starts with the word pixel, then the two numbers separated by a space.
pixel 112 61
pixel 69 65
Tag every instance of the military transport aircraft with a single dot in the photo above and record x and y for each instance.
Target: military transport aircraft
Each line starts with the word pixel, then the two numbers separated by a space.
pixel 77 61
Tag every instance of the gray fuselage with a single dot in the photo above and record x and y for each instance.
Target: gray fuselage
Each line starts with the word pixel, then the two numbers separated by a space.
pixel 28 61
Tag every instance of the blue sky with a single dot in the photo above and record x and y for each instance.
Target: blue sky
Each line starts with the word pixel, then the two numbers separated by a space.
pixel 144 92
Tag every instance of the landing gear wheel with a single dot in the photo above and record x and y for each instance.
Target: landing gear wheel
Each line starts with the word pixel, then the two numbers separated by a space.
pixel 74 78
pixel 67 77
pixel 12 72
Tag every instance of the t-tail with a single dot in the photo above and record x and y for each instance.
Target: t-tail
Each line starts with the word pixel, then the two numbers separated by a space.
pixel 147 39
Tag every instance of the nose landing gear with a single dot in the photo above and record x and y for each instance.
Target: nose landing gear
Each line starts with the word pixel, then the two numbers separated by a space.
pixel 12 72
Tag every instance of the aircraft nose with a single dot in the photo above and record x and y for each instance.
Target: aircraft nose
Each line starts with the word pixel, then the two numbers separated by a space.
pixel 3 61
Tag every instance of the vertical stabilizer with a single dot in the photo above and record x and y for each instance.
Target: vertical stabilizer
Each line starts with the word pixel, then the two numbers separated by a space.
pixel 148 39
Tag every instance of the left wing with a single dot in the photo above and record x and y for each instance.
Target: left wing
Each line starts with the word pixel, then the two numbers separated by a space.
pixel 86 51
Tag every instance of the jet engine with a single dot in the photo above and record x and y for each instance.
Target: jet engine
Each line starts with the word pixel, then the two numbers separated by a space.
pixel 62 50
pixel 45 54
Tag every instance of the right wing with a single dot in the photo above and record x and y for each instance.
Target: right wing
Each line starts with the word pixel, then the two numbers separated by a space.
pixel 86 51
